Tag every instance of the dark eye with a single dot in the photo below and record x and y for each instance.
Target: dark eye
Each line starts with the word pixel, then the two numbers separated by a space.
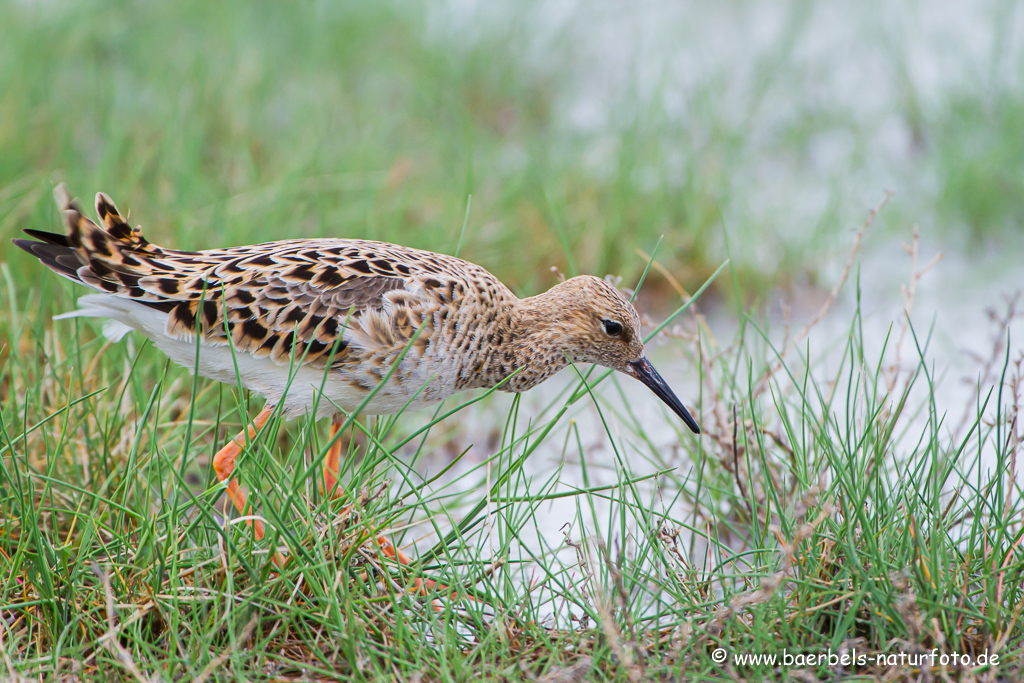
pixel 612 328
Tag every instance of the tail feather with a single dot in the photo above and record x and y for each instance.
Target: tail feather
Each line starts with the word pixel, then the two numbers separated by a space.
pixel 111 259
pixel 54 238
pixel 59 259
pixel 118 321
pixel 136 279
pixel 117 227
pixel 100 249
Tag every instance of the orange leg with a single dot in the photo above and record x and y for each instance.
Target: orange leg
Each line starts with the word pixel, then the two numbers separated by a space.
pixel 224 466
pixel 333 462
pixel 331 474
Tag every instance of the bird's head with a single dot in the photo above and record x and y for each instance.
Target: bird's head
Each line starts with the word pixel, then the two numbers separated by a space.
pixel 593 322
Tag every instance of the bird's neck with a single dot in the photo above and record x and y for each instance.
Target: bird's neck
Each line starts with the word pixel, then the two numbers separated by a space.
pixel 531 348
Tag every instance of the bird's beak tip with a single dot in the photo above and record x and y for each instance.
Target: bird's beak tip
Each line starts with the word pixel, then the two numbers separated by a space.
pixel 643 370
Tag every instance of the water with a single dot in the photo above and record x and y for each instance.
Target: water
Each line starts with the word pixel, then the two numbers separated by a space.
pixel 950 300
pixel 855 76
pixel 809 110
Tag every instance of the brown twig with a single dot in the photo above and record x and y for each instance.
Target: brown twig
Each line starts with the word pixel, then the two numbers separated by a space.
pixel 908 293
pixel 240 642
pixel 771 584
pixel 762 384
pixel 109 639
pixel 989 364
pixel 630 656
pixel 736 460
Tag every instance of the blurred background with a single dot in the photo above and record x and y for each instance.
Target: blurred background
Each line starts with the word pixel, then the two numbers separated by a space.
pixel 584 131
pixel 540 138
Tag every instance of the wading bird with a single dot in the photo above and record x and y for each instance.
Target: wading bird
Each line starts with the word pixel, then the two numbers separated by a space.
pixel 320 325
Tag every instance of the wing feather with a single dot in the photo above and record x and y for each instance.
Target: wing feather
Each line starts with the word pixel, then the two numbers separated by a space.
pixel 292 299
pixel 300 300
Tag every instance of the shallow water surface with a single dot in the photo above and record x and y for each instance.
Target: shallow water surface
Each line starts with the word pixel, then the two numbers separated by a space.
pixel 953 304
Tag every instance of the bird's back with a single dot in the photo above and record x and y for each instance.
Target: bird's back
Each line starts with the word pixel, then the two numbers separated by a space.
pixel 287 317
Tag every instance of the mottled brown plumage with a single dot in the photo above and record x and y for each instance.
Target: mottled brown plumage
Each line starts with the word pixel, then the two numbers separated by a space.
pixel 279 315
pixel 317 325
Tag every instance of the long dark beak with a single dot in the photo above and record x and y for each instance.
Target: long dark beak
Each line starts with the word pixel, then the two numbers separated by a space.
pixel 645 372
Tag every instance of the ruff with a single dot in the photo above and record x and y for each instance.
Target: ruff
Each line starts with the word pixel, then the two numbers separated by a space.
pixel 316 325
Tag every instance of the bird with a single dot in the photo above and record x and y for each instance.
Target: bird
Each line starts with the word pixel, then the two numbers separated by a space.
pixel 328 326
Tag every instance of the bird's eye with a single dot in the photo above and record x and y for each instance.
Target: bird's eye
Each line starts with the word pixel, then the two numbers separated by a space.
pixel 612 328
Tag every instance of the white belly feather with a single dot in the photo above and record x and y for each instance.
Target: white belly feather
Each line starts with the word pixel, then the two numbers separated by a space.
pixel 300 388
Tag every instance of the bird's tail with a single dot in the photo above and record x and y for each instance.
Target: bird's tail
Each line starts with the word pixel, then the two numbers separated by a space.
pixel 90 239
pixel 111 258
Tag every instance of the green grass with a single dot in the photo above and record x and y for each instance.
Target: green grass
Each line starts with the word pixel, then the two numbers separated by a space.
pixel 221 124
pixel 821 511
pixel 224 123
pixel 335 121
pixel 983 158
pixel 830 505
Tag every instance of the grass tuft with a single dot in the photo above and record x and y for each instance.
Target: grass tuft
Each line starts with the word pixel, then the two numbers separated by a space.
pixel 835 504
pixel 831 507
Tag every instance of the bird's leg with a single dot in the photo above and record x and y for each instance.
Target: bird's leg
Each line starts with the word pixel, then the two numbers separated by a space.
pixel 224 466
pixel 419 585
pixel 331 474
pixel 333 461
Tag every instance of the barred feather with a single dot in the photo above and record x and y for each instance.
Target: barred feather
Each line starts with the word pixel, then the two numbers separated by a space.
pixel 321 322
